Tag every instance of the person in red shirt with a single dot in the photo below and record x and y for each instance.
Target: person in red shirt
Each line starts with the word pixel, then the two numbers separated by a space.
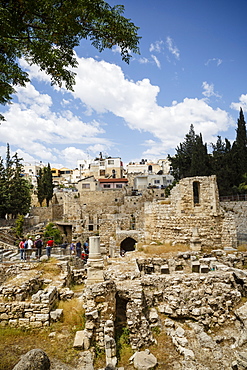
pixel 49 245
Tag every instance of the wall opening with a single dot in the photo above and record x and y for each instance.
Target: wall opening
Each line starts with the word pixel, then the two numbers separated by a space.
pixel 128 244
pixel 196 192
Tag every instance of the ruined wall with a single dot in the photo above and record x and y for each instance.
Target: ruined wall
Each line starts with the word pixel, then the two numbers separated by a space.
pixel 238 212
pixel 174 219
pixel 23 299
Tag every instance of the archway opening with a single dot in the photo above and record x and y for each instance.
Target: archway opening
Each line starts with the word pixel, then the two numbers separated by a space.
pixel 128 244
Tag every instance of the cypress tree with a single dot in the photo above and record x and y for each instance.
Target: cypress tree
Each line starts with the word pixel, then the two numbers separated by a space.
pixel 48 184
pixel 40 187
pixel 239 151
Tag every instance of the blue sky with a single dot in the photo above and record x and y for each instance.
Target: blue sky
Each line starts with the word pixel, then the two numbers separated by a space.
pixel 191 70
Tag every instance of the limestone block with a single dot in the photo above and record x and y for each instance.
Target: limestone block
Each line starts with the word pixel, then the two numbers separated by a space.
pixel 36 324
pixel 34 359
pixel 81 340
pixel 144 360
pixel 204 269
pixel 164 269
pixel 4 316
pixel 56 315
pixel 24 322
pixel 153 315
pixel 13 322
pixel 42 317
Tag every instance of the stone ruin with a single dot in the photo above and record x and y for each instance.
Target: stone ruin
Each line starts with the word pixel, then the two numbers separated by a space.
pixel 189 296
pixel 196 298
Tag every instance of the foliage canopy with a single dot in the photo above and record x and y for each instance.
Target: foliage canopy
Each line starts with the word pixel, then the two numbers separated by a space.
pixel 228 162
pixel 45 32
pixel 15 192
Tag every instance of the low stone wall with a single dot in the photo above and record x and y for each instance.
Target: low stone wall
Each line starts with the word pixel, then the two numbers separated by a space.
pixel 35 313
pixel 24 303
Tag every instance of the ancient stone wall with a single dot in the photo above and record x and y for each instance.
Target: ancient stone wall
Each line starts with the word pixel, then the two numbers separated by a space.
pixel 238 213
pixel 174 219
pixel 24 302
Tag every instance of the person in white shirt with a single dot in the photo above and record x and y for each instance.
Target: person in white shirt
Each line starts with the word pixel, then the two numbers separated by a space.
pixel 29 243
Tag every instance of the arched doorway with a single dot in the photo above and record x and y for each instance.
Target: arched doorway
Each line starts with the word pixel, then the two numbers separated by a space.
pixel 128 244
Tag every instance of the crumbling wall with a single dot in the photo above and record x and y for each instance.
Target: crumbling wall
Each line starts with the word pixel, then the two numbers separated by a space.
pixel 174 219
pixel 23 300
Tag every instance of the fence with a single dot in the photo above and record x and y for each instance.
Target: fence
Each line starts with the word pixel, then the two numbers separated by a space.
pixel 233 198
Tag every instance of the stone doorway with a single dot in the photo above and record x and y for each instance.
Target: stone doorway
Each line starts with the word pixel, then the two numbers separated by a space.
pixel 128 244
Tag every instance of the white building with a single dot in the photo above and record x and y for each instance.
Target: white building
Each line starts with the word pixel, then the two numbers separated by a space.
pixel 110 167
pixel 152 181
pixel 148 167
pixel 31 171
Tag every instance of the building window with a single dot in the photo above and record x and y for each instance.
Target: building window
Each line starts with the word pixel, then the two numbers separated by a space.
pixel 102 163
pixel 102 172
pixel 85 186
pixel 119 186
pixel 90 227
pixel 111 161
pixel 196 192
pixel 156 181
pixel 106 186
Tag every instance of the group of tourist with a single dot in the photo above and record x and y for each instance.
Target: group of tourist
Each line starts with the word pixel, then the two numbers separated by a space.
pixel 77 250
pixel 27 246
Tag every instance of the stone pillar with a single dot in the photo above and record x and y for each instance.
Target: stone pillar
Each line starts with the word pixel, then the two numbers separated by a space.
pixel 195 241
pixel 95 262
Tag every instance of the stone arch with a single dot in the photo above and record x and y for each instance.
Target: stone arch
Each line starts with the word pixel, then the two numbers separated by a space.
pixel 128 244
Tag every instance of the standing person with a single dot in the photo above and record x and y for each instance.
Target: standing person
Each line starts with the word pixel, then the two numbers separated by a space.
pixel 22 249
pixel 85 247
pixel 30 243
pixel 78 249
pixel 29 247
pixel 38 245
pixel 49 245
pixel 86 251
pixel 72 248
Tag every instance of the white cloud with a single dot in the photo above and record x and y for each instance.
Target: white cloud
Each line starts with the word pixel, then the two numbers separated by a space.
pixel 214 60
pixel 33 128
pixel 209 90
pixel 143 60
pixel 156 60
pixel 157 47
pixel 241 104
pixel 103 88
pixel 172 48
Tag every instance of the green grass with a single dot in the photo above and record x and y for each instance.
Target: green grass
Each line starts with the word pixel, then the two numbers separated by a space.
pixel 16 342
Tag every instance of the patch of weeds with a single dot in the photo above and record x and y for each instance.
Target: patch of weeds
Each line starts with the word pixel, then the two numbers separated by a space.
pixel 73 314
pixel 123 348
pixel 99 359
pixel 49 268
pixel 15 342
pixel 77 287
pixel 156 330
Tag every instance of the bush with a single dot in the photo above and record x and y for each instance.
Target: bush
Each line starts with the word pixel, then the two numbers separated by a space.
pixel 51 231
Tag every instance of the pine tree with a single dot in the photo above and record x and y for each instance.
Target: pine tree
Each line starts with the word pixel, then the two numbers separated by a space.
pixel 15 196
pixel 221 163
pixel 19 194
pixel 191 158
